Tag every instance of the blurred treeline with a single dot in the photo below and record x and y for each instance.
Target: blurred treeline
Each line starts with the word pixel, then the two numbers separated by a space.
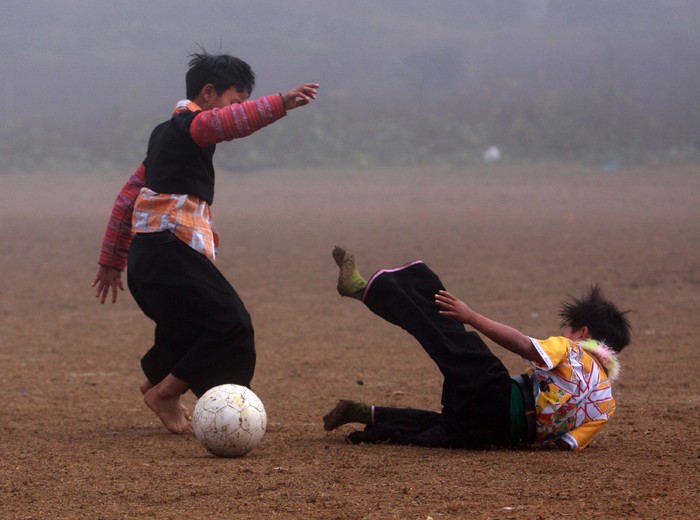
pixel 403 81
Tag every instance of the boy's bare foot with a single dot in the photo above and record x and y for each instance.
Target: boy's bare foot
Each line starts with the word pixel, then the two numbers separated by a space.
pixel 345 412
pixel 350 281
pixel 186 412
pixel 164 400
pixel 147 385
pixel 169 412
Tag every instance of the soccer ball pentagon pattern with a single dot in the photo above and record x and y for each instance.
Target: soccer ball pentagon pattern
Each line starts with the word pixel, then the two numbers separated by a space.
pixel 229 420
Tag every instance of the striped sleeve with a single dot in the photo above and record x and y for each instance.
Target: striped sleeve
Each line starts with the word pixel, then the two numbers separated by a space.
pixel 118 234
pixel 235 121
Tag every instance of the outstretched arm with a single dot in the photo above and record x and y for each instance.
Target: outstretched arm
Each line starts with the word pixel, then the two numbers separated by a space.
pixel 506 336
pixel 239 120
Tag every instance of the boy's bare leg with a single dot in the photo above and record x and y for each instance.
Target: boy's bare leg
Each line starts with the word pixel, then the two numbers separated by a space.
pixel 164 400
pixel 147 385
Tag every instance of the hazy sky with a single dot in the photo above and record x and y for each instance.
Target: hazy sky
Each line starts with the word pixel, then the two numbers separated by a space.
pixel 85 52
pixel 75 63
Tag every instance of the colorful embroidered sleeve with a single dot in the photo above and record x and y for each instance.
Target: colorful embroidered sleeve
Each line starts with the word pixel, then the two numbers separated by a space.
pixel 580 437
pixel 235 121
pixel 118 234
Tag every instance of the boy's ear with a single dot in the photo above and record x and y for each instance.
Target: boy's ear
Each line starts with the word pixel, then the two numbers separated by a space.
pixel 584 332
pixel 208 91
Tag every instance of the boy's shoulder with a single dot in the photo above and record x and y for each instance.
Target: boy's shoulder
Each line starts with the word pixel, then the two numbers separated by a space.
pixel 552 350
pixel 558 351
pixel 178 123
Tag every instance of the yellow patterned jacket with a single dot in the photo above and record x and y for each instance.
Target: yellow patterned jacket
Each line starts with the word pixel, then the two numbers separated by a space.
pixel 573 391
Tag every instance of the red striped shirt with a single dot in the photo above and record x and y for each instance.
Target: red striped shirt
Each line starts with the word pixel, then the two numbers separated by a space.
pixel 208 128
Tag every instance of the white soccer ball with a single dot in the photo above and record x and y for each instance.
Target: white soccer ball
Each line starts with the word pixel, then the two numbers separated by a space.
pixel 229 420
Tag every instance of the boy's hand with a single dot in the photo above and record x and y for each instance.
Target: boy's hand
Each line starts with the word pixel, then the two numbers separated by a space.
pixel 505 335
pixel 107 278
pixel 453 307
pixel 300 96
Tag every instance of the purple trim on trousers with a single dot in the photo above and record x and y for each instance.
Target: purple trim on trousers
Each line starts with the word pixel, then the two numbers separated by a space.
pixel 382 271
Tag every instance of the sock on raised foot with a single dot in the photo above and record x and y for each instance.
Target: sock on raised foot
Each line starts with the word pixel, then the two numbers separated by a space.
pixel 347 412
pixel 350 281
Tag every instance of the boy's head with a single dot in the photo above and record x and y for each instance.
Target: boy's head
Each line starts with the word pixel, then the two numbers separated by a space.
pixel 222 71
pixel 599 316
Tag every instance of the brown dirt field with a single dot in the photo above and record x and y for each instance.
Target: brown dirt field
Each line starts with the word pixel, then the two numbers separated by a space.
pixel 77 441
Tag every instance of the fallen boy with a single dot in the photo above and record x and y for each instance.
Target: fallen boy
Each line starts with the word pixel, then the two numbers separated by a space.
pixel 564 398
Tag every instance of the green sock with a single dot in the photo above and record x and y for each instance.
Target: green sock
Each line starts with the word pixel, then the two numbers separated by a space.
pixel 363 413
pixel 355 287
pixel 350 281
pixel 347 411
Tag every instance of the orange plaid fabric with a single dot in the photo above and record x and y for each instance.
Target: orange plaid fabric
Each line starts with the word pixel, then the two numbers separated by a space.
pixel 187 216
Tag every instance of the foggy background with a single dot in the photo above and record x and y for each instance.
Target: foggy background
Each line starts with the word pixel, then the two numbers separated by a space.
pixel 403 82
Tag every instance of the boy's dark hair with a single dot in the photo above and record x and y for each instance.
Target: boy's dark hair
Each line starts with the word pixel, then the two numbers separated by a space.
pixel 604 321
pixel 221 70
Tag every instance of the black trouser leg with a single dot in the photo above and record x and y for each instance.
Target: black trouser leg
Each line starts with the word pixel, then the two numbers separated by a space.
pixel 204 334
pixel 476 388
pixel 404 426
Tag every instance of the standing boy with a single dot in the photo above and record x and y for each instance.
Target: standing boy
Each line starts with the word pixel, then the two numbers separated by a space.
pixel 162 217
pixel 564 399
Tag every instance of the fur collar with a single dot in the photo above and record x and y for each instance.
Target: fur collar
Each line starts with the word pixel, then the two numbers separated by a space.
pixel 605 356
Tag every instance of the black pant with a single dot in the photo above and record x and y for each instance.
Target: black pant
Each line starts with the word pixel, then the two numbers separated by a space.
pixel 204 333
pixel 476 387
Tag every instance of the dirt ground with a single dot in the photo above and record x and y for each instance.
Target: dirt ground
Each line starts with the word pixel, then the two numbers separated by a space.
pixel 77 441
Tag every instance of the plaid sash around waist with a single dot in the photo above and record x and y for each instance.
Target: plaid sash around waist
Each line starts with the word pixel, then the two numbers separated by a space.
pixel 187 216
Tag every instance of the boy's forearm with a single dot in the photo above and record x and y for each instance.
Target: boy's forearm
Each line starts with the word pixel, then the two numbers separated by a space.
pixel 505 335
pixel 117 237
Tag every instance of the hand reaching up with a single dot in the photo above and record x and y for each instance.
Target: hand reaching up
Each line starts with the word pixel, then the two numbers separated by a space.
pixel 300 96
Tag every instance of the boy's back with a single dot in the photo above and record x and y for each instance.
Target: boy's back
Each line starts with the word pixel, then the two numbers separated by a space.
pixel 175 163
pixel 573 389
